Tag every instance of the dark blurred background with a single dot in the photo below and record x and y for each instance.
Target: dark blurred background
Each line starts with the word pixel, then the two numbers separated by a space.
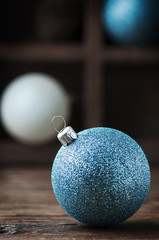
pixel 109 84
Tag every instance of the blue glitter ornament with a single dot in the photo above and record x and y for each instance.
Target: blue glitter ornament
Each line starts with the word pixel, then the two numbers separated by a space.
pixel 132 21
pixel 101 178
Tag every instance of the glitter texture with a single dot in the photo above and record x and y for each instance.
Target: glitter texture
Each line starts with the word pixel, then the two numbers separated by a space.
pixel 102 178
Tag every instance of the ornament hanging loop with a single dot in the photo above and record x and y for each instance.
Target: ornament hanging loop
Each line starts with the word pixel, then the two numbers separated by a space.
pixel 53 123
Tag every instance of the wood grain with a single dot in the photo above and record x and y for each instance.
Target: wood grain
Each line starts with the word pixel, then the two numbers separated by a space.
pixel 29 210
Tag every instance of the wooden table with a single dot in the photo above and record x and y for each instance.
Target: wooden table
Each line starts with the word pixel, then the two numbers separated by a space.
pixel 29 210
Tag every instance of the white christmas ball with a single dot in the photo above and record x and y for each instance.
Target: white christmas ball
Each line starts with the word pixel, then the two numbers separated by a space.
pixel 28 104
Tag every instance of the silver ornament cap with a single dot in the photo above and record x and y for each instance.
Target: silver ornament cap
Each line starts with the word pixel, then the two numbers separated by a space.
pixel 67 135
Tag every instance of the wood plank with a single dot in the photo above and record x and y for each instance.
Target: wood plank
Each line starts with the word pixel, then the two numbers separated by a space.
pixel 41 52
pixel 92 103
pixel 29 210
pixel 118 55
pixel 79 52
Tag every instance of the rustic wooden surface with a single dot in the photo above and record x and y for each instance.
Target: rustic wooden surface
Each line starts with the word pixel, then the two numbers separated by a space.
pixel 29 210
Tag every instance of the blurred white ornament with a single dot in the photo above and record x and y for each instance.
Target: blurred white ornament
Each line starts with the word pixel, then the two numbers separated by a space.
pixel 28 104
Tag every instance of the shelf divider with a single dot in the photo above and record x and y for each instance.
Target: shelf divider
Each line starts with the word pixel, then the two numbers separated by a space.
pixel 92 101
pixel 39 52
pixel 130 55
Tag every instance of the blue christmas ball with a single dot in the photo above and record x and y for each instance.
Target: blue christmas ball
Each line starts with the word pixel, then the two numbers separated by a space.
pixel 132 21
pixel 102 178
